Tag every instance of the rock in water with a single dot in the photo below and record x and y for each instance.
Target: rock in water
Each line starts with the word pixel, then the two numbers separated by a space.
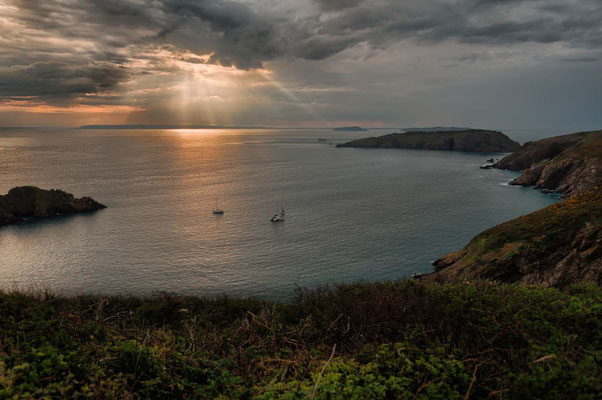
pixel 30 201
pixel 473 140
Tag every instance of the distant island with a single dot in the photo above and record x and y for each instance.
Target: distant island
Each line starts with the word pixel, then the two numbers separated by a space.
pixel 30 201
pixel 350 129
pixel 436 129
pixel 170 126
pixel 471 140
pixel 179 126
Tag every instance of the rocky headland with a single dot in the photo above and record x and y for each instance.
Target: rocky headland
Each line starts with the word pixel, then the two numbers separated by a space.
pixel 557 246
pixel 567 164
pixel 30 201
pixel 471 140
pixel 350 129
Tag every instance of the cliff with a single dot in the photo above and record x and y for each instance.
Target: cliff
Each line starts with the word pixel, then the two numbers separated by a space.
pixel 555 247
pixel 566 164
pixel 30 201
pixel 473 140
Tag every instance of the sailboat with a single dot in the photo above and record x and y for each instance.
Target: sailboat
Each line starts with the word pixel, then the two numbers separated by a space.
pixel 278 217
pixel 217 210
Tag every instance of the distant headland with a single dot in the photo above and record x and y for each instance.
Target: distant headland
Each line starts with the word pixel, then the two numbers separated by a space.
pixel 179 126
pixel 472 140
pixel 170 126
pixel 567 164
pixel 350 129
pixel 436 129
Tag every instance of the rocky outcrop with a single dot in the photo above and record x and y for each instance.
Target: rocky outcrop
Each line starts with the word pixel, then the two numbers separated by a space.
pixel 472 140
pixel 557 246
pixel 566 164
pixel 30 201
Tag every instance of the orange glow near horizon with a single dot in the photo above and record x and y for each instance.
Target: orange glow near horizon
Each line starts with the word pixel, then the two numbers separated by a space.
pixel 185 87
pixel 39 107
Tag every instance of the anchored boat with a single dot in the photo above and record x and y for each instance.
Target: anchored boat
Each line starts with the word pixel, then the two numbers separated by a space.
pixel 278 217
pixel 217 210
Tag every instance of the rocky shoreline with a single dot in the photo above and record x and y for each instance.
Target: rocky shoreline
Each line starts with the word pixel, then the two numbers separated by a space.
pixel 30 201
pixel 557 246
pixel 567 165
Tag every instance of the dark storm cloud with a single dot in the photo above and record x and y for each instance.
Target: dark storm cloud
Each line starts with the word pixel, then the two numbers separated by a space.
pixel 58 80
pixel 330 5
pixel 473 22
pixel 68 48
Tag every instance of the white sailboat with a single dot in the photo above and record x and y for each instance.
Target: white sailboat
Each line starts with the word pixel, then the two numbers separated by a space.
pixel 217 210
pixel 278 217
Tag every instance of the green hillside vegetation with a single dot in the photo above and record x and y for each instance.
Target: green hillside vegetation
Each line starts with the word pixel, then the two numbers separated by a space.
pixel 555 246
pixel 541 227
pixel 389 340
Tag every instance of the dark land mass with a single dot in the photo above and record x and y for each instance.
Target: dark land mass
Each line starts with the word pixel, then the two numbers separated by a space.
pixel 170 126
pixel 176 126
pixel 350 129
pixel 472 140
pixel 436 129
pixel 29 201
pixel 566 164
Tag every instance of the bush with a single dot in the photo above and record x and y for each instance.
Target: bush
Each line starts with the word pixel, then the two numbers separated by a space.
pixel 388 340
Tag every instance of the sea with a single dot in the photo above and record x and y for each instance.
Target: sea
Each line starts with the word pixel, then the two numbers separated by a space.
pixel 351 214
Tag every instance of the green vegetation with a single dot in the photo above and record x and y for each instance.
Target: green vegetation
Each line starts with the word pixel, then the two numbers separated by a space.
pixel 542 229
pixel 390 340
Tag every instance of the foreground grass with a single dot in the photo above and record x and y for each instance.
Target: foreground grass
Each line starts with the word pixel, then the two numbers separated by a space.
pixel 391 340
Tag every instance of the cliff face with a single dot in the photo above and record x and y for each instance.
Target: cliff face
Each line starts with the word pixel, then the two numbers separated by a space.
pixel 566 164
pixel 30 201
pixel 473 140
pixel 556 246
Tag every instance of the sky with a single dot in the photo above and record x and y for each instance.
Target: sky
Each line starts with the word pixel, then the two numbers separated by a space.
pixel 376 63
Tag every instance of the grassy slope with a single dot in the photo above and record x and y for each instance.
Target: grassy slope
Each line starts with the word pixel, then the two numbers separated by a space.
pixel 387 340
pixel 540 239
pixel 541 227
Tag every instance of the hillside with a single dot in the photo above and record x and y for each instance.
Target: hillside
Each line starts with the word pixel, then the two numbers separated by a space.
pixel 472 140
pixel 566 164
pixel 557 246
pixel 389 340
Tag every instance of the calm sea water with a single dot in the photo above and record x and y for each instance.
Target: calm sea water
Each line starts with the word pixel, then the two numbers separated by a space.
pixel 352 214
